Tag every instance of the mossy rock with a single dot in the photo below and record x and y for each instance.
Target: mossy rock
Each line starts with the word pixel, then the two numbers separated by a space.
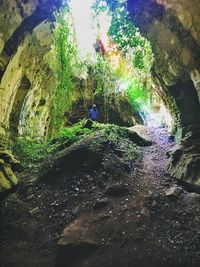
pixel 5 184
pixel 92 151
pixel 7 176
pixel 8 157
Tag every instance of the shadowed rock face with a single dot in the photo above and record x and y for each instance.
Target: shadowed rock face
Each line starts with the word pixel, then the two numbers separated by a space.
pixel 119 111
pixel 187 101
pixel 185 159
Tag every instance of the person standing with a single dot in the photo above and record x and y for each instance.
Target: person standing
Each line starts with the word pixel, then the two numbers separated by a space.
pixel 93 113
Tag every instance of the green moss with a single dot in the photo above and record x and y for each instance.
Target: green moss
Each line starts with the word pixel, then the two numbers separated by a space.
pixel 7 176
pixel 73 133
pixel 117 137
pixel 10 175
pixel 32 152
pixel 7 156
pixel 5 184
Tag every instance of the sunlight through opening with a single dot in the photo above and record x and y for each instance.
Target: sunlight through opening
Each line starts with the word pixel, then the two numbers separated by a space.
pixel 88 27
pixel 117 50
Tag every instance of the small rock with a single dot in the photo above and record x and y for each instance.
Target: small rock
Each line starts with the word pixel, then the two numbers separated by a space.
pixel 154 204
pixel 30 197
pixel 173 191
pixel 34 211
pixel 77 210
pixel 177 225
pixel 116 190
pixel 145 212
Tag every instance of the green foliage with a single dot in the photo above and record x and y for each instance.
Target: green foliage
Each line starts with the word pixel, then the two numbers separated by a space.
pixel 131 151
pixel 122 30
pixel 138 60
pixel 113 132
pixel 99 72
pixel 124 33
pixel 69 65
pixel 64 50
pixel 32 152
pixel 105 76
pixel 136 94
pixel 135 52
pixel 106 79
pixel 73 133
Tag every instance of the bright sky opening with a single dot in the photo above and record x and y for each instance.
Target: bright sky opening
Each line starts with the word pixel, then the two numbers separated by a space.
pixel 85 25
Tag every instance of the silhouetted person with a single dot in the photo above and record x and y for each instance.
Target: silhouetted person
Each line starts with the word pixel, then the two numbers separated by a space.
pixel 93 113
pixel 99 47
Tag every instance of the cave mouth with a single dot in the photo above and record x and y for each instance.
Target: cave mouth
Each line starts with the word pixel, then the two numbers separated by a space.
pixel 95 194
pixel 101 52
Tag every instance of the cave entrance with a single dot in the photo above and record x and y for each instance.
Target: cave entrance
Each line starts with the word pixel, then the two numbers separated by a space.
pixel 18 103
pixel 98 46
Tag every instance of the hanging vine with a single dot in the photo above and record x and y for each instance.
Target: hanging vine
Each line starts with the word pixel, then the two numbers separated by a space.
pixel 64 51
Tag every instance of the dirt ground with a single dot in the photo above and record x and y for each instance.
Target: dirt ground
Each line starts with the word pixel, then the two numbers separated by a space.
pixel 114 212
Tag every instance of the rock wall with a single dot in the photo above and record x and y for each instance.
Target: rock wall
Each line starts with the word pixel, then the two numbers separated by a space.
pixel 27 80
pixel 173 30
pixel 31 63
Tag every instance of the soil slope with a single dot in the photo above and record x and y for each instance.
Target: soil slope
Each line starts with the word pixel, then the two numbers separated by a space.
pixel 116 207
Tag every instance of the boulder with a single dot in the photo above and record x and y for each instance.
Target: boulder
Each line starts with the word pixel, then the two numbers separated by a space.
pixel 184 161
pixel 173 191
pixel 77 241
pixel 7 164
